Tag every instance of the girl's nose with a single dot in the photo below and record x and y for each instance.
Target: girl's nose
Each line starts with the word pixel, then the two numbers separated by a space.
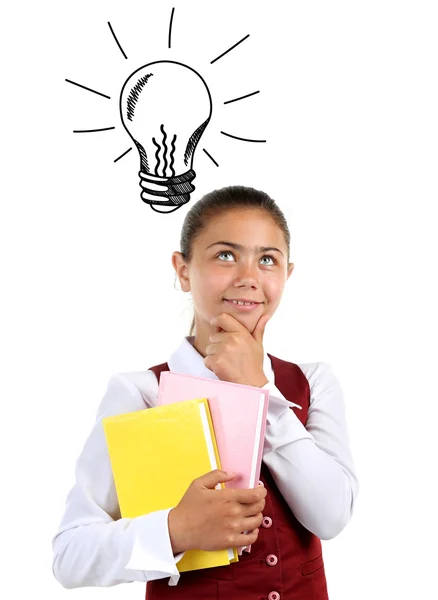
pixel 247 276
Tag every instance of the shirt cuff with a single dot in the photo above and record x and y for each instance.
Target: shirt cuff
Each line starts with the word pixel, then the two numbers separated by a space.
pixel 152 548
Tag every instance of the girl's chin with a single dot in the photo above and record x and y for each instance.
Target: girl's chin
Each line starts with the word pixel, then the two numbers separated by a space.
pixel 248 320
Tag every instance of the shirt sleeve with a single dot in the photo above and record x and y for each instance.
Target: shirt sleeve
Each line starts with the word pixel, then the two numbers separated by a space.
pixel 312 465
pixel 94 546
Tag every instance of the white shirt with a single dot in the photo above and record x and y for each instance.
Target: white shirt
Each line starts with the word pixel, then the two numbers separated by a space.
pixel 311 465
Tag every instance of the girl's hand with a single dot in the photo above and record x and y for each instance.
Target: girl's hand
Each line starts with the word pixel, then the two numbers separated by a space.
pixel 235 354
pixel 210 519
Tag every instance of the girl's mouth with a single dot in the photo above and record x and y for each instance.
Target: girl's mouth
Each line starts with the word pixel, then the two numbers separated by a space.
pixel 242 305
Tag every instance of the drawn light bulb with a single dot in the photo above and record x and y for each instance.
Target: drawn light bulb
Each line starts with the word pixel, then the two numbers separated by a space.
pixel 165 107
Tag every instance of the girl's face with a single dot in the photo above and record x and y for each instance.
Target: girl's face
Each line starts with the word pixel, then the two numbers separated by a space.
pixel 240 256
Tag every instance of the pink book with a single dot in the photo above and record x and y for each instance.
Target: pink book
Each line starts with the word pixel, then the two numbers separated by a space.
pixel 239 416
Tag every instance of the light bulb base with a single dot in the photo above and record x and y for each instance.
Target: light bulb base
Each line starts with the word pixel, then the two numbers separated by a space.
pixel 166 194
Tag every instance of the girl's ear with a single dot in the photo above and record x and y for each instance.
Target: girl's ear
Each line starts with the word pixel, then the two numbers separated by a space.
pixel 290 268
pixel 181 270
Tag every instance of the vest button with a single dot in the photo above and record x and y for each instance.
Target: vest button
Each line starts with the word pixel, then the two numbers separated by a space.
pixel 267 522
pixel 273 596
pixel 261 483
pixel 271 560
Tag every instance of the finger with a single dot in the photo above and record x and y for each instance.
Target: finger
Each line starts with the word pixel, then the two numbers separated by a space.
pixel 227 322
pixel 211 349
pixel 249 510
pixel 220 337
pixel 216 328
pixel 244 539
pixel 249 496
pixel 250 523
pixel 216 338
pixel 259 329
pixel 209 363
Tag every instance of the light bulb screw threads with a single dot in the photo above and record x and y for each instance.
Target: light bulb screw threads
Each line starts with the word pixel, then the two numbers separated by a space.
pixel 167 191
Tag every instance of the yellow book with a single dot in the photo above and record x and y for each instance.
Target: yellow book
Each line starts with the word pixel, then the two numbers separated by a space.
pixel 155 454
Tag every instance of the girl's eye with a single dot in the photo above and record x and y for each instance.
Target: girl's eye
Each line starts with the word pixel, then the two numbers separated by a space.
pixel 230 254
pixel 271 258
pixel 225 252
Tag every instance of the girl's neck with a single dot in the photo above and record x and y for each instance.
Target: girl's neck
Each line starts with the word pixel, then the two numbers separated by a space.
pixel 200 346
pixel 201 340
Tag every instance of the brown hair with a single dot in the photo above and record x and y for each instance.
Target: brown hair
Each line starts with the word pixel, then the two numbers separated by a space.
pixel 218 201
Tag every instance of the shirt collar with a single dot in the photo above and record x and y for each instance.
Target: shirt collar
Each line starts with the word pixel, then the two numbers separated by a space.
pixel 186 359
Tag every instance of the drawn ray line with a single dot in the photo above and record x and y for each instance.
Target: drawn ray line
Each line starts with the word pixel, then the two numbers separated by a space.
pixel 89 89
pixel 210 156
pixel 92 130
pixel 170 27
pixel 240 138
pixel 229 49
pixel 242 97
pixel 122 155
pixel 118 44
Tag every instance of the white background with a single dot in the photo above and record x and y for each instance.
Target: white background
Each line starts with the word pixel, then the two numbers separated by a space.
pixel 348 105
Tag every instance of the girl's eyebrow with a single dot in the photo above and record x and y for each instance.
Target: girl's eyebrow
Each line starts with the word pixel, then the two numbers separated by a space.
pixel 239 247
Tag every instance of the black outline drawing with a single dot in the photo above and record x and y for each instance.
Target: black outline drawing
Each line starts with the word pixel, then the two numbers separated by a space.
pixel 124 154
pixel 229 49
pixel 163 188
pixel 169 44
pixel 242 97
pixel 235 137
pixel 92 130
pixel 210 156
pixel 117 41
pixel 89 89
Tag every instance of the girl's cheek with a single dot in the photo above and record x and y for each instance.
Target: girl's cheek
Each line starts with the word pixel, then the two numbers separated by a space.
pixel 274 291
pixel 216 277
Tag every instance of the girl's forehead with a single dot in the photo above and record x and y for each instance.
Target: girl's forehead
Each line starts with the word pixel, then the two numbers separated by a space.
pixel 243 226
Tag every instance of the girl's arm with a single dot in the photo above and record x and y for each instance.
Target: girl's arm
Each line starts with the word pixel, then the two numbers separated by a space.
pixel 312 466
pixel 94 546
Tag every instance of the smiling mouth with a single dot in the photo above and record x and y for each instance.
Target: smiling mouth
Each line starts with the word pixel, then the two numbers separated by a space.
pixel 242 305
pixel 242 302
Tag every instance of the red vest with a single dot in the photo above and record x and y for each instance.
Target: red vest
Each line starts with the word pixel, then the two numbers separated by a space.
pixel 285 563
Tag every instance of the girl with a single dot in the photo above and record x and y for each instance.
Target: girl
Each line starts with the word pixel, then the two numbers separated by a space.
pixel 234 260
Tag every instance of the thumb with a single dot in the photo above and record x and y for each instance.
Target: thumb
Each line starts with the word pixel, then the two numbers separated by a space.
pixel 211 479
pixel 259 329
